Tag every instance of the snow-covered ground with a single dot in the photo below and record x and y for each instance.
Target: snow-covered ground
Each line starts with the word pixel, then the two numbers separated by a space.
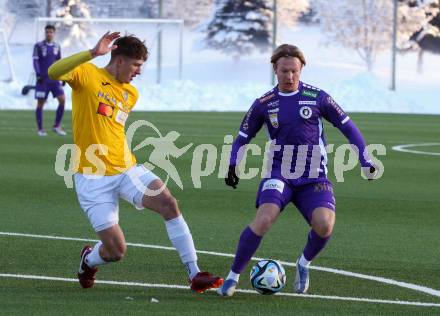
pixel 214 82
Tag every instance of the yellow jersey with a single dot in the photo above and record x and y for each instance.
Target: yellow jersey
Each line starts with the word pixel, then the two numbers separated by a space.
pixel 100 108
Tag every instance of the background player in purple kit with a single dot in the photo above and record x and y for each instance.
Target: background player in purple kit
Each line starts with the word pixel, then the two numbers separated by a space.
pixel 45 54
pixel 292 112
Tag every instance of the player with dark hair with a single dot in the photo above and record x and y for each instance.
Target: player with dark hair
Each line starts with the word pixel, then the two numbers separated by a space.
pixel 102 99
pixel 292 112
pixel 45 54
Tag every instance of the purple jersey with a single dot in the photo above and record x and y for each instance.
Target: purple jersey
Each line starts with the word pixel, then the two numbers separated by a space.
pixel 45 54
pixel 294 121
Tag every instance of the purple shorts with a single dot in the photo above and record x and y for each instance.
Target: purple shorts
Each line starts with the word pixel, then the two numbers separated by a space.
pixel 42 89
pixel 306 197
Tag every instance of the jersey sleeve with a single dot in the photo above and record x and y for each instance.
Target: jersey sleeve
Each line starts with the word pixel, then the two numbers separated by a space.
pixel 251 124
pixel 331 111
pixel 36 60
pixel 356 139
pixel 252 121
pixel 71 69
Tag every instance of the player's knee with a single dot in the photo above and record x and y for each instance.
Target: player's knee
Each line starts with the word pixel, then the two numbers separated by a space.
pixel 169 207
pixel 262 225
pixel 323 221
pixel 324 228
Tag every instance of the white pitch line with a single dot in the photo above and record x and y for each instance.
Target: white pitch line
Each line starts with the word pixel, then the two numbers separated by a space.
pixel 183 287
pixel 415 287
pixel 403 148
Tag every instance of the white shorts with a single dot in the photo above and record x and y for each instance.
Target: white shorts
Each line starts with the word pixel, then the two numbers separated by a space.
pixel 99 195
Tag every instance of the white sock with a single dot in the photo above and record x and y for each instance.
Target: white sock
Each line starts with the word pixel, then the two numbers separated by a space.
pixel 233 276
pixel 182 240
pixel 303 261
pixel 93 259
pixel 192 268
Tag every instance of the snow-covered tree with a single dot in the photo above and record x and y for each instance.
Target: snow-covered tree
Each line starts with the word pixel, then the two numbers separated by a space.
pixel 77 32
pixel 239 27
pixel 290 11
pixel 191 11
pixel 427 36
pixel 7 19
pixel 415 17
pixel 366 25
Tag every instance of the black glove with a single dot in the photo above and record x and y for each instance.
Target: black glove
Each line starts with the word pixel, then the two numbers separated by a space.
pixel 40 79
pixel 232 178
pixel 373 172
pixel 369 172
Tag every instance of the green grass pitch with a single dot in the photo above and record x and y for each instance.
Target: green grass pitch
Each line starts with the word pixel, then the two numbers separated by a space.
pixel 387 228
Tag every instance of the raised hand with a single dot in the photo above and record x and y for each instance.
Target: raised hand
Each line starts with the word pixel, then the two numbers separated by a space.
pixel 103 45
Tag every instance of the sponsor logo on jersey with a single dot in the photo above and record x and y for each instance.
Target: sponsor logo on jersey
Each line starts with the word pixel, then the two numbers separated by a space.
pixel 121 117
pixel 335 106
pixel 112 100
pixel 245 124
pixel 308 93
pixel 307 102
pixel 305 112
pixel 105 109
pixel 267 98
pixel 273 184
pixel 273 110
pixel 273 103
pixel 273 117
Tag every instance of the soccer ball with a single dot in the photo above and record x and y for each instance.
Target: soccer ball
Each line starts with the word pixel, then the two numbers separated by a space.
pixel 268 277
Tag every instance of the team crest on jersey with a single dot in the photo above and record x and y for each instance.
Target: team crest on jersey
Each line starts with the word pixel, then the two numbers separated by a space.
pixel 305 112
pixel 105 109
pixel 273 117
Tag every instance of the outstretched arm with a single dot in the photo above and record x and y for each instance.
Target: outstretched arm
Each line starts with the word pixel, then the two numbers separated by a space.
pixel 60 69
pixel 354 136
pixel 336 115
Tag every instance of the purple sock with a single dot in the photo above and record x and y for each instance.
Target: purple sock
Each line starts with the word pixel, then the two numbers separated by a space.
pixel 39 116
pixel 247 246
pixel 59 115
pixel 315 244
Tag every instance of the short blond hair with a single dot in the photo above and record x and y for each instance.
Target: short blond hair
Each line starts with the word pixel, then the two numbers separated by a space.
pixel 287 50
